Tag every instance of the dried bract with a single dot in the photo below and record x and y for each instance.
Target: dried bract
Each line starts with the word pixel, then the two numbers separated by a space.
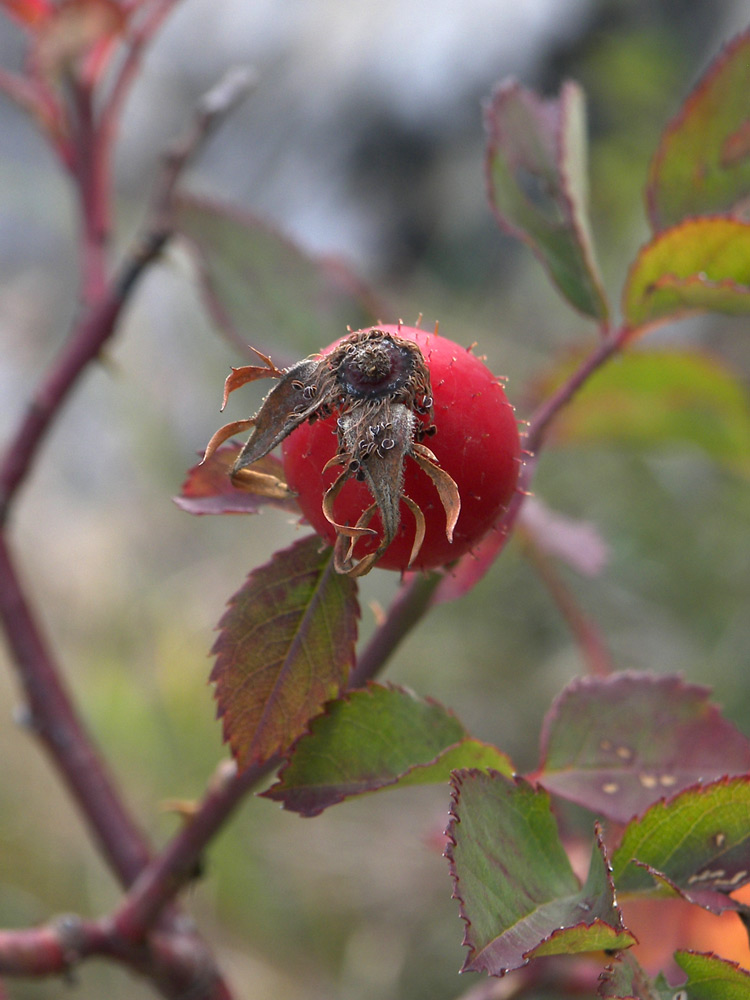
pixel 378 384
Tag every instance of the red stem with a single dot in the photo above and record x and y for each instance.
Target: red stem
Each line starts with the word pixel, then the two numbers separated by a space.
pixel 592 645
pixel 83 347
pixel 91 174
pixel 549 409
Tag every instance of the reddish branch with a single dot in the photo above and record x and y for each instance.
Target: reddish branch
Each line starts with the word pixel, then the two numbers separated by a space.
pixel 53 719
pixel 168 952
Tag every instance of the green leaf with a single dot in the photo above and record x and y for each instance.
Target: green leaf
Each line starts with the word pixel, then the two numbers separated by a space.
pixel 377 738
pixel 703 264
pixel 647 399
pixel 259 286
pixel 537 184
pixel 618 744
pixel 518 894
pixel 712 978
pixel 699 841
pixel 286 646
pixel 702 165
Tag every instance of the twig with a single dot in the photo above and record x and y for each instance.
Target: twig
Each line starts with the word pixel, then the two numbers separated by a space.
pixel 167 873
pixel 546 413
pixel 178 962
pixel 53 719
pixel 41 103
pixel 92 177
pixel 111 113
pixel 173 957
pixel 99 322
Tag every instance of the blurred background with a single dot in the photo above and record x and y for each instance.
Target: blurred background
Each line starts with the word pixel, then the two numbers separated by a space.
pixel 362 140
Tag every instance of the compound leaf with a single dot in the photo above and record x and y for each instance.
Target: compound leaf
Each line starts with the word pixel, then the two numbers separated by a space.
pixel 285 647
pixel 702 165
pixel 537 184
pixel 518 894
pixel 376 738
pixel 618 744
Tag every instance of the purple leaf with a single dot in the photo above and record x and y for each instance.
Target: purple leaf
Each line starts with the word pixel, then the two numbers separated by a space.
pixel 618 744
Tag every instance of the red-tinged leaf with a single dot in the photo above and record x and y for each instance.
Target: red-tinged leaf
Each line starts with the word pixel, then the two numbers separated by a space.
pixel 518 894
pixel 653 399
pixel 702 165
pixel 286 646
pixel 701 265
pixel 377 738
pixel 710 978
pixel 618 744
pixel 713 900
pixel 258 285
pixel 626 980
pixel 537 185
pixel 208 488
pixel 699 840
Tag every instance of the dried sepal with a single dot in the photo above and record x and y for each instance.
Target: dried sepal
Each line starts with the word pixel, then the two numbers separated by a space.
pixel 379 385
pixel 444 484
pixel 224 434
pixel 262 484
pixel 249 373
pixel 284 408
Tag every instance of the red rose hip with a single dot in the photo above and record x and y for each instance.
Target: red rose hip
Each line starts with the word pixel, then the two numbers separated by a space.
pixel 471 432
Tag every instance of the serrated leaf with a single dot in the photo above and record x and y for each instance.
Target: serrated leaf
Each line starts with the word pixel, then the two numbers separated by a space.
pixel 518 894
pixel 208 488
pixel 626 980
pixel 260 286
pixel 699 841
pixel 647 399
pixel 376 738
pixel 618 744
pixel 537 185
pixel 702 164
pixel 286 646
pixel 712 978
pixel 701 265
